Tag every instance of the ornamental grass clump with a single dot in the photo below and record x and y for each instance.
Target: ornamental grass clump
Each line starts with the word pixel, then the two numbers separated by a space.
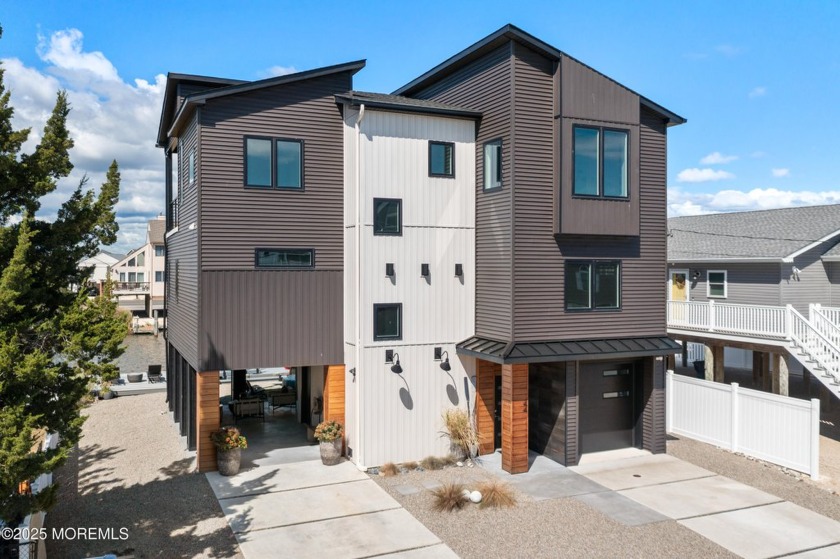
pixel 449 497
pixel 388 469
pixel 459 429
pixel 410 466
pixel 228 438
pixel 496 494
pixel 432 463
pixel 328 431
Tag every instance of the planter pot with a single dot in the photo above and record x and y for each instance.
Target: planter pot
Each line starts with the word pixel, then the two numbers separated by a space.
pixel 457 451
pixel 228 461
pixel 108 395
pixel 331 452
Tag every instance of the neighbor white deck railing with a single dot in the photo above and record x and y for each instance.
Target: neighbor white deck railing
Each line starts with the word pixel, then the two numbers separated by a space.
pixel 826 321
pixel 818 346
pixel 757 321
pixel 831 313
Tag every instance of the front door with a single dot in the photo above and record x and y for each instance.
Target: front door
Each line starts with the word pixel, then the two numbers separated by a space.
pixel 679 285
pixel 606 392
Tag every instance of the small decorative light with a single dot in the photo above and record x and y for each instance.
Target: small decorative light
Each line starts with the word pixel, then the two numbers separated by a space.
pixel 396 368
pixel 459 270
pixel 389 269
pixel 445 364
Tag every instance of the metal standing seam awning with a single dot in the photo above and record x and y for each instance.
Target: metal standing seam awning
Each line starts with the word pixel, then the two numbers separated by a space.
pixel 577 350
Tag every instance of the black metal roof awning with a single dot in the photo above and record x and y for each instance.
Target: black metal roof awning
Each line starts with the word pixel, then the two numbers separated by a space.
pixel 576 350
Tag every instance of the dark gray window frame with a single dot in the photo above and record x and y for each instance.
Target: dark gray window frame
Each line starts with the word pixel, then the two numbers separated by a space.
pixel 398 337
pixel 273 154
pixel 192 173
pixel 399 202
pixel 451 146
pixel 592 263
pixel 600 195
pixel 501 144
pixel 259 266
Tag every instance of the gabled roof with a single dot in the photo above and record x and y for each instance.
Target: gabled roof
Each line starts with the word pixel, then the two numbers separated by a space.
pixel 765 235
pixel 833 254
pixel 170 126
pixel 403 104
pixel 494 40
pixel 156 232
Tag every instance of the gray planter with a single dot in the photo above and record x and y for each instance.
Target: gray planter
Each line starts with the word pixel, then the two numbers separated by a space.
pixel 228 461
pixel 331 452
pixel 456 450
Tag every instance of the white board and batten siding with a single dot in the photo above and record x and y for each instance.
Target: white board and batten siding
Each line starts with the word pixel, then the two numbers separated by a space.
pixel 397 418
pixel 778 429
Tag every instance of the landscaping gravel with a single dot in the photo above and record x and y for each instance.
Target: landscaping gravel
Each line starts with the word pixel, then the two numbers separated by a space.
pixel 131 470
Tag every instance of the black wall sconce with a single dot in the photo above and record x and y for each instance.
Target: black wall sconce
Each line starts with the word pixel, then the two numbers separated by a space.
pixel 445 364
pixel 459 270
pixel 396 368
pixel 695 275
pixel 389 269
pixel 424 270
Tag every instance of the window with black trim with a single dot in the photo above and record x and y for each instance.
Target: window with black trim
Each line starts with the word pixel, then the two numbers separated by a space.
pixel 284 258
pixel 600 158
pixel 387 216
pixel 493 165
pixel 593 285
pixel 191 166
pixel 273 163
pixel 387 321
pixel 441 159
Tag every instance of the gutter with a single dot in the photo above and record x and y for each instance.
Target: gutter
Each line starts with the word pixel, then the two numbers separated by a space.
pixel 738 260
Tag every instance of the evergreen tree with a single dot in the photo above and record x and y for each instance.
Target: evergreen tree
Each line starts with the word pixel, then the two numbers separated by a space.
pixel 53 341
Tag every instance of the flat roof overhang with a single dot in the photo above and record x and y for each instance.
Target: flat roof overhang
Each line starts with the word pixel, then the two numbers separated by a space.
pixel 561 350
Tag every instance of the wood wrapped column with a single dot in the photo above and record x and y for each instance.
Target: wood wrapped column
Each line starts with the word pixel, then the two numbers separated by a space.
pixel 485 404
pixel 208 419
pixel 515 418
pixel 334 398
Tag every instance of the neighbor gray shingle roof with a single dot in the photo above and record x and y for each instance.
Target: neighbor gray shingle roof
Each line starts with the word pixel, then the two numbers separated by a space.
pixel 157 230
pixel 833 253
pixel 398 102
pixel 770 234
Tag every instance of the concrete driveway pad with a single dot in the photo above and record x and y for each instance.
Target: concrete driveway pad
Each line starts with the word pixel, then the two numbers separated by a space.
pixel 257 512
pixel 830 552
pixel 439 551
pixel 282 478
pixel 641 471
pixel 695 497
pixel 554 484
pixel 621 509
pixel 350 537
pixel 767 531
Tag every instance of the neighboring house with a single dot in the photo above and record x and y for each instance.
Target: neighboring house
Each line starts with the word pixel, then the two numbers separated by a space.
pixel 491 236
pixel 101 265
pixel 751 266
pixel 140 275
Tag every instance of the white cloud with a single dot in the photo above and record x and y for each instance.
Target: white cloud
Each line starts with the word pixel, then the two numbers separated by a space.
pixel 759 91
pixel 780 172
pixel 681 202
pixel 728 50
pixel 703 175
pixel 717 158
pixel 275 71
pixel 110 119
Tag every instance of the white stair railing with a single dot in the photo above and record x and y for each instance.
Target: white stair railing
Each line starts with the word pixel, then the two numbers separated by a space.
pixel 820 318
pixel 817 346
pixel 831 313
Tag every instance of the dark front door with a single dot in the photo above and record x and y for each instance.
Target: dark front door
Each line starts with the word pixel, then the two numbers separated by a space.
pixel 305 391
pixel 497 413
pixel 606 394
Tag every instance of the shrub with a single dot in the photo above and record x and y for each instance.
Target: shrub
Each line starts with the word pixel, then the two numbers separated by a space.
pixel 228 438
pixel 449 497
pixel 497 494
pixel 460 430
pixel 388 469
pixel 328 431
pixel 409 466
pixel 432 463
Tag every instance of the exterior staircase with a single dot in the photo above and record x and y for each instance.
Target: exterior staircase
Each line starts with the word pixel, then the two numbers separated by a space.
pixel 813 341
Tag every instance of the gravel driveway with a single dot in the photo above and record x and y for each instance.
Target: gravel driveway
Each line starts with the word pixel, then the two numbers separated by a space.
pixel 131 470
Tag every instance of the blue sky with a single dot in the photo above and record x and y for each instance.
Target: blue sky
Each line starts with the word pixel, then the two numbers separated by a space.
pixel 758 81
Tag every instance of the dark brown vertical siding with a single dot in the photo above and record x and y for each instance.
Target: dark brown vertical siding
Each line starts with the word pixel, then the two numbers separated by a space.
pixel 485 85
pixel 182 259
pixel 590 95
pixel 572 414
pixel 752 284
pixel 236 219
pixel 264 318
pixel 653 411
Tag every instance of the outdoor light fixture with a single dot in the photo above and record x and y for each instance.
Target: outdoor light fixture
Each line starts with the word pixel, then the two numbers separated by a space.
pixel 696 275
pixel 353 372
pixel 438 351
pixel 389 269
pixel 445 365
pixel 459 270
pixel 424 270
pixel 796 271
pixel 395 368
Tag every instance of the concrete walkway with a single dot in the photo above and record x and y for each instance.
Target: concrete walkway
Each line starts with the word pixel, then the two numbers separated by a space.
pixel 308 510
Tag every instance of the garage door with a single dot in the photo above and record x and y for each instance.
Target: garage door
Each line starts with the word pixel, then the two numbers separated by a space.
pixel 606 393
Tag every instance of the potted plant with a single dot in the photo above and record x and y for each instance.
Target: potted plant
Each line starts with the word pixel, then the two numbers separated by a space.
pixel 229 444
pixel 330 436
pixel 463 440
pixel 105 392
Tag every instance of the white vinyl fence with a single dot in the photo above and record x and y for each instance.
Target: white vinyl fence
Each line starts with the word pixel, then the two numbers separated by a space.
pixel 778 429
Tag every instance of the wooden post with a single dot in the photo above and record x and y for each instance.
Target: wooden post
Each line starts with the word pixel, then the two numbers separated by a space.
pixel 515 418
pixel 209 419
pixel 334 393
pixel 717 356
pixel 780 374
pixel 709 359
pixel 485 404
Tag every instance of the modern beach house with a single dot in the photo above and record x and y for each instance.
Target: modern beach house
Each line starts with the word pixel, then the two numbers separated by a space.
pixel 490 236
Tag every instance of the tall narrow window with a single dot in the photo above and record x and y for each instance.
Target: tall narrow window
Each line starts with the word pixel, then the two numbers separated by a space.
pixel 592 285
pixel 441 159
pixel 141 259
pixel 600 158
pixel 191 170
pixel 289 164
pixel 717 284
pixel 615 164
pixel 587 149
pixel 493 165
pixel 387 321
pixel 258 162
pixel 387 216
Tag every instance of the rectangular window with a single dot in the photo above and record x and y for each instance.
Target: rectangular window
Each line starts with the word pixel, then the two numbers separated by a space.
pixel 716 286
pixel 600 162
pixel 441 159
pixel 141 259
pixel 160 250
pixel 493 165
pixel 258 162
pixel 122 277
pixel 593 285
pixel 132 277
pixel 387 321
pixel 289 155
pixel 284 258
pixel 159 276
pixel 192 166
pixel 387 216
pixel 140 277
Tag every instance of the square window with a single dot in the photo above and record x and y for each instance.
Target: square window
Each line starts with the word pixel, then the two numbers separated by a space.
pixel 159 276
pixel 258 162
pixel 387 216
pixel 285 258
pixel 160 250
pixel 493 165
pixel 592 285
pixel 289 164
pixel 716 286
pixel 441 159
pixel 387 321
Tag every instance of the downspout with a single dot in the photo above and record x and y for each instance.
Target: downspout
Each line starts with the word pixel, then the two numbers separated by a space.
pixel 359 375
